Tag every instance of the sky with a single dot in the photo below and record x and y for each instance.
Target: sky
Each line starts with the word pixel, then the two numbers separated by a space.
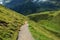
pixel 0 1
pixel 40 0
pixel 6 1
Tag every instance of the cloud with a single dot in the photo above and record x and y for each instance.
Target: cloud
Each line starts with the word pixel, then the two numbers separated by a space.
pixel 8 1
pixel 5 1
pixel 39 0
pixel 1 0
pixel 1 3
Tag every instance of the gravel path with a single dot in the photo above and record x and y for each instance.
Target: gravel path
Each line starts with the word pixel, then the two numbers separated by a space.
pixel 24 33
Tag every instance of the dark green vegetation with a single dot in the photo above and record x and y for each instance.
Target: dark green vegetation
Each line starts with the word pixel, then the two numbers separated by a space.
pixel 27 7
pixel 10 22
pixel 45 25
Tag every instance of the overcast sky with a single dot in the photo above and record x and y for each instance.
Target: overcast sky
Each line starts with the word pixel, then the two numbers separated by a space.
pixel 1 1
pixel 7 1
pixel 39 0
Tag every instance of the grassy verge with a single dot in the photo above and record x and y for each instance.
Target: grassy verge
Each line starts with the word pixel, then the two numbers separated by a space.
pixel 45 26
pixel 10 22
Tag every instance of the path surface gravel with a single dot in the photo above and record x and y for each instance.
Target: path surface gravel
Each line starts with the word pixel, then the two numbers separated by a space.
pixel 24 33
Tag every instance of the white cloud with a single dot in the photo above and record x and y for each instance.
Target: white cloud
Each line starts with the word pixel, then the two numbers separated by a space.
pixel 1 2
pixel 8 1
pixel 43 0
pixel 39 0
pixel 5 1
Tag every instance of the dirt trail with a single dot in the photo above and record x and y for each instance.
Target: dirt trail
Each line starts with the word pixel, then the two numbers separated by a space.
pixel 24 33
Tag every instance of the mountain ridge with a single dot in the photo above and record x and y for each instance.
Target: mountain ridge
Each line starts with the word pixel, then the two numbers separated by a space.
pixel 33 7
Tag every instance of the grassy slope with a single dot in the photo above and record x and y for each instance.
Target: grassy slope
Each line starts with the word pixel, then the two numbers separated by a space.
pixel 10 22
pixel 45 25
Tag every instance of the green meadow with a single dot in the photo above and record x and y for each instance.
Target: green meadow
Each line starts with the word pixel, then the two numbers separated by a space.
pixel 45 25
